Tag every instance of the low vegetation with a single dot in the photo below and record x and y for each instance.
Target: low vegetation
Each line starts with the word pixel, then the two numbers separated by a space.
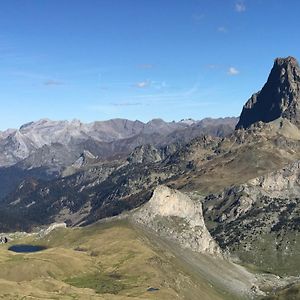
pixel 103 261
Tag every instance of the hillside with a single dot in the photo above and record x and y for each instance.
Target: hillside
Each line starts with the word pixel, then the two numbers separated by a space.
pixel 231 197
pixel 104 261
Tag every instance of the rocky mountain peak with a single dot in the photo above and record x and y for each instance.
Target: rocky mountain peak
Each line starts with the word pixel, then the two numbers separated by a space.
pixel 286 61
pixel 279 97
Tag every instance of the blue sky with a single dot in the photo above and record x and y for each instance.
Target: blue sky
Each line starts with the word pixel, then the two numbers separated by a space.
pixel 138 59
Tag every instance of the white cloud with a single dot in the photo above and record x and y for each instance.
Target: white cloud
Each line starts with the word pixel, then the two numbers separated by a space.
pixel 142 84
pixel 240 6
pixel 232 71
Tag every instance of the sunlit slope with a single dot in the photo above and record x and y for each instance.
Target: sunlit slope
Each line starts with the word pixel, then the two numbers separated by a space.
pixel 104 261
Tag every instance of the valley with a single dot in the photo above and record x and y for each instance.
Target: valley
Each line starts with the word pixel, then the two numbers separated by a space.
pixel 149 150
pixel 110 260
pixel 160 210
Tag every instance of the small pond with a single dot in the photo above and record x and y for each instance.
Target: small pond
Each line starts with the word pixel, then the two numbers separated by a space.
pixel 26 248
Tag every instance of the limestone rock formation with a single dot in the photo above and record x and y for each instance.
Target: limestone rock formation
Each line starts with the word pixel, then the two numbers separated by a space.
pixel 177 217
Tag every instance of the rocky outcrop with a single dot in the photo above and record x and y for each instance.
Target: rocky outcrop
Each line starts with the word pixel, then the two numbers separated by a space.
pixel 259 220
pixel 280 96
pixel 238 200
pixel 144 154
pixel 85 159
pixel 53 227
pixel 173 215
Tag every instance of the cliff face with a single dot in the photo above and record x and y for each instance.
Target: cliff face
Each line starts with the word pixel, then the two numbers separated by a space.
pixel 175 216
pixel 280 96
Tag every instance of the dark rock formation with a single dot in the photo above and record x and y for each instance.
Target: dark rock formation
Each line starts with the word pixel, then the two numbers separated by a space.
pixel 279 97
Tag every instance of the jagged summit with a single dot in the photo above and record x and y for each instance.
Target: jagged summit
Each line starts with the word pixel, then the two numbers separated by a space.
pixel 279 61
pixel 85 158
pixel 279 97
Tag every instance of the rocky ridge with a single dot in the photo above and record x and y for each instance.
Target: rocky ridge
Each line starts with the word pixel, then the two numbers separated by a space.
pixel 175 216
pixel 44 149
pixel 17 145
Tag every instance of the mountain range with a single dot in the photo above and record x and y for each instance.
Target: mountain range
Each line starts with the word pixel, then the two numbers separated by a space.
pixel 225 187
pixel 100 137
pixel 43 149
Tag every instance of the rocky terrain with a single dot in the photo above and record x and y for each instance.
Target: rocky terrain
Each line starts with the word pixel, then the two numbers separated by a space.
pixel 174 215
pixel 259 220
pixel 73 136
pixel 43 149
pixel 198 185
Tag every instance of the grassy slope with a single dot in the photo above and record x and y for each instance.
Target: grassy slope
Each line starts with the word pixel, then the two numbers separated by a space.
pixel 104 261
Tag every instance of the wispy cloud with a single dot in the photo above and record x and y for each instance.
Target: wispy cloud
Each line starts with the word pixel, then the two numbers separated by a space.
pixel 240 6
pixel 37 77
pixel 185 94
pixel 52 82
pixel 159 85
pixel 193 90
pixel 143 84
pixel 222 29
pixel 232 71
pixel 191 97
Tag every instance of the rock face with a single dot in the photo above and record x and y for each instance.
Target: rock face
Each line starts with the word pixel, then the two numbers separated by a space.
pixel 85 158
pixel 175 216
pixel 149 154
pixel 259 220
pixel 145 154
pixel 280 96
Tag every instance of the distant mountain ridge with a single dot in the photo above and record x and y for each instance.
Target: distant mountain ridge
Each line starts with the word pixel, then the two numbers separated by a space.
pixel 45 148
pixel 16 145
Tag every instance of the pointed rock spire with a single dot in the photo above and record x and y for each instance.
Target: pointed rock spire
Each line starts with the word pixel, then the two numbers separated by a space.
pixel 280 96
